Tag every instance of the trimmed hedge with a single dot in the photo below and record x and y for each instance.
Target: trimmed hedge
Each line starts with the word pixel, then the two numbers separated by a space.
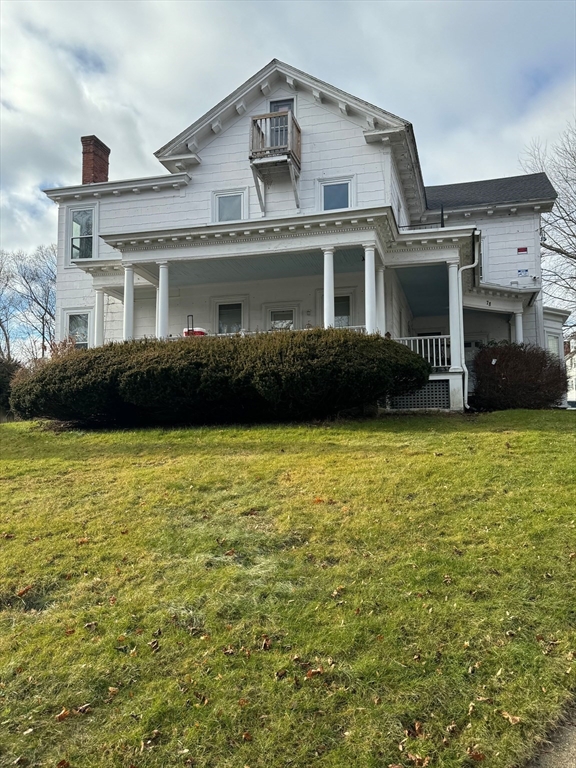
pixel 518 376
pixel 277 376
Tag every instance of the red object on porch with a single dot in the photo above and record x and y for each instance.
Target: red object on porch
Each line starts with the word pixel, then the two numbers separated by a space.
pixel 194 332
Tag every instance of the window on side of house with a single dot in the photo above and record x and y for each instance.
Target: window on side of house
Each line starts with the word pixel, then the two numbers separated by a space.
pixel 82 235
pixel 282 319
pixel 335 195
pixel 229 318
pixel 229 206
pixel 341 311
pixel 78 329
pixel 554 344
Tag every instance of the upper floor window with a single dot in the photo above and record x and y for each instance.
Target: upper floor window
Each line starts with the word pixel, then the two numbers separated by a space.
pixel 229 205
pixel 335 195
pixel 82 236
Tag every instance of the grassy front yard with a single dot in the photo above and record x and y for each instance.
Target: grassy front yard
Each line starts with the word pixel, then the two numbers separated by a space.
pixel 398 592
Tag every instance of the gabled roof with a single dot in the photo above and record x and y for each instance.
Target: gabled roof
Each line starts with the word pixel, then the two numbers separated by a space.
pixel 262 83
pixel 513 189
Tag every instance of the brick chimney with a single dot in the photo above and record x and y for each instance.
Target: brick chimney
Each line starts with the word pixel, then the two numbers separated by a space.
pixel 94 160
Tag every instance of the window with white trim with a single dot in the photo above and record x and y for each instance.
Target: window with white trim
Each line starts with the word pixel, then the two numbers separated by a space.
pixel 77 328
pixel 229 205
pixel 553 344
pixel 335 194
pixel 341 311
pixel 230 318
pixel 82 233
pixel 282 319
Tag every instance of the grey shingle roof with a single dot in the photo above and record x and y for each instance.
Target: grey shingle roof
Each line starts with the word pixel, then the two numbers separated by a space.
pixel 513 189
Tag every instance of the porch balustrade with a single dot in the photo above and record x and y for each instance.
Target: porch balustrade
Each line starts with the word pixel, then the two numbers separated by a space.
pixel 434 349
pixel 275 134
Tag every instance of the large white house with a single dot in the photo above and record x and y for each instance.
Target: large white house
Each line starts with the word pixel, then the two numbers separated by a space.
pixel 292 204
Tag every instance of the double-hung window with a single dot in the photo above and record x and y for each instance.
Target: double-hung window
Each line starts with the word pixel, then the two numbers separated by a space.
pixel 82 234
pixel 78 329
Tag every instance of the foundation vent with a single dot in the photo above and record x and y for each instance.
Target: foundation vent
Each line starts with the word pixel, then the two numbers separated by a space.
pixel 435 394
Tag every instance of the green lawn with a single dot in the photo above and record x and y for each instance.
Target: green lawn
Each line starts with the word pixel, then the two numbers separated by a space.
pixel 397 592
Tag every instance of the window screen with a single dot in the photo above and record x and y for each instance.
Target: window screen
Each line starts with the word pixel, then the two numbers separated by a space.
pixel 229 207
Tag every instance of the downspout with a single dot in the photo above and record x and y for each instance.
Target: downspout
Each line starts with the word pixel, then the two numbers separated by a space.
pixel 476 252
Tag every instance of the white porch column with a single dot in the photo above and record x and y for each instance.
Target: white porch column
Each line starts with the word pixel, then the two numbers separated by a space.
pixel 163 300
pixel 329 288
pixel 98 317
pixel 128 332
pixel 370 287
pixel 156 316
pixel 380 302
pixel 455 313
pixel 518 327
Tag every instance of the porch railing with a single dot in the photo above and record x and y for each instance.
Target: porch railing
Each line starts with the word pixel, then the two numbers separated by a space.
pixel 434 349
pixel 276 133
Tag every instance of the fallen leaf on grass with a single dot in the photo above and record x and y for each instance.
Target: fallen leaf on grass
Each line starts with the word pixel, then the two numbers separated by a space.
pixel 281 674
pixel 243 702
pixel 246 736
pixel 113 600
pixel 266 643
pixel 511 718
pixel 154 645
pixel 473 754
pixel 228 651
pixel 83 540
pixel 230 553
pixel 69 631
pixel 63 715
pixel 7 535
pixel 24 590
pixel 84 709
pixel 421 762
pixel 113 691
pixel 313 672
pixel 318 500
pixel 63 764
pixel 91 625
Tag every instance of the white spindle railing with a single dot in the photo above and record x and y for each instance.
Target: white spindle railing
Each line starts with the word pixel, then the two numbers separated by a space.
pixel 434 349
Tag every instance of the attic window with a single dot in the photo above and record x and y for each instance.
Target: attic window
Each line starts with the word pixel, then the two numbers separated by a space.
pixel 228 206
pixel 335 195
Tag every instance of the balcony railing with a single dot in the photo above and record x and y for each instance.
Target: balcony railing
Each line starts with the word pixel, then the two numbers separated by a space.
pixel 434 349
pixel 275 134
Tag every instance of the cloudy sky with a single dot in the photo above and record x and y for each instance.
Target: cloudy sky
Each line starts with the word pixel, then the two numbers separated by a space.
pixel 479 79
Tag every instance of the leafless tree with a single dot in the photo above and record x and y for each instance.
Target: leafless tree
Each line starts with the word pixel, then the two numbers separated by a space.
pixel 27 302
pixel 558 240
pixel 9 306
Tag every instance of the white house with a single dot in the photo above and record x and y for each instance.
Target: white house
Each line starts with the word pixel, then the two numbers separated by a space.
pixel 293 204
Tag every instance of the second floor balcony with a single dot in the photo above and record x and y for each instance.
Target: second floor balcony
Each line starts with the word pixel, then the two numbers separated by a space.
pixel 276 135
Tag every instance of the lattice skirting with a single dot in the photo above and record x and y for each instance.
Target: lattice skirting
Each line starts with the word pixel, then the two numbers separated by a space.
pixel 435 394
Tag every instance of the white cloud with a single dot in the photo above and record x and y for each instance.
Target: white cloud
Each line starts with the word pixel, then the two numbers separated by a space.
pixel 478 80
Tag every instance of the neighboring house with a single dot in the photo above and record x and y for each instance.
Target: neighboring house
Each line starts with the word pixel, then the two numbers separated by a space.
pixel 292 204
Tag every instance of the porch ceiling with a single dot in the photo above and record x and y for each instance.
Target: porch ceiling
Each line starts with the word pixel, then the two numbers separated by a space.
pixel 247 269
pixel 426 289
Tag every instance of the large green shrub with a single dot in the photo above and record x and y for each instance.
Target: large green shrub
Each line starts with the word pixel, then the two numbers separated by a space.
pixel 284 375
pixel 518 376
pixel 7 370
